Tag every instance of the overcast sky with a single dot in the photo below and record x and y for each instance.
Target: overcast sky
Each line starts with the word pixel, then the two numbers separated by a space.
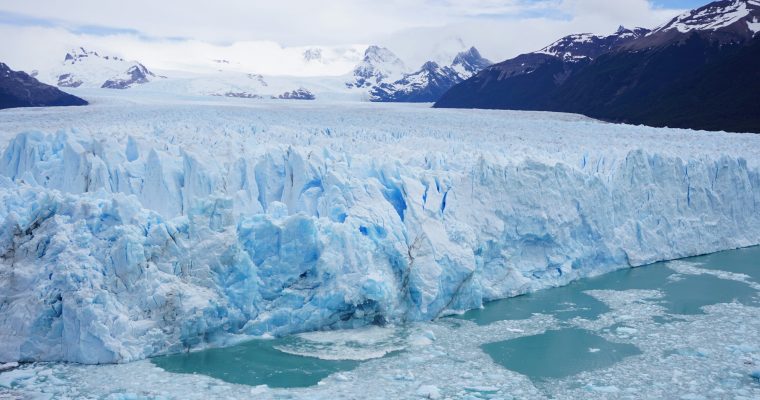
pixel 160 32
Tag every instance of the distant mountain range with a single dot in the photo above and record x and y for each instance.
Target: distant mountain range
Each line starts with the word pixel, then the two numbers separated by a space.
pixel 385 77
pixel 85 68
pixel 379 75
pixel 700 70
pixel 431 81
pixel 18 89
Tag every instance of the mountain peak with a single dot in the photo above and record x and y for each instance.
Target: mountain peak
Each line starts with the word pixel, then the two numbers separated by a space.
pixel 78 54
pixel 430 66
pixel 589 46
pixel 377 54
pixel 736 16
pixel 469 62
pixel 378 64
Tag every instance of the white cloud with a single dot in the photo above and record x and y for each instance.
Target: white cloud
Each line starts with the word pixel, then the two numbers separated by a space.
pixel 254 32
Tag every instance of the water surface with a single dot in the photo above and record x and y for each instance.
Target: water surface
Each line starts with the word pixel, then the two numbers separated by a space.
pixel 255 363
pixel 558 353
pixel 562 351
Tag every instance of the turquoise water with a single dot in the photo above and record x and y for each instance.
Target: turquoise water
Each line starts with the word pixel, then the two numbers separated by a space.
pixel 557 353
pixel 684 295
pixel 741 261
pixel 255 363
pixel 564 352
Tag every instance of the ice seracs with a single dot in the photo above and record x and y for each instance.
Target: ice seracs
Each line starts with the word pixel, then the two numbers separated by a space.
pixel 191 224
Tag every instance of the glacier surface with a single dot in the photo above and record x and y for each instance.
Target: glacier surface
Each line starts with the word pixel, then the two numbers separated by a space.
pixel 142 226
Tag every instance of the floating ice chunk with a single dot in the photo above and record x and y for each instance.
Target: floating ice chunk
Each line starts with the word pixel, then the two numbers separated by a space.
pixel 429 392
pixel 8 366
pixel 355 344
pixel 625 330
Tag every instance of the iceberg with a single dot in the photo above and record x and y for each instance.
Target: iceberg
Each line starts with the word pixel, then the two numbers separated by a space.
pixel 121 243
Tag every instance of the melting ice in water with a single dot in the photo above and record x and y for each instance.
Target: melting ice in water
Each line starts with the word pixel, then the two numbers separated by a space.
pixel 187 226
pixel 638 344
pixel 634 346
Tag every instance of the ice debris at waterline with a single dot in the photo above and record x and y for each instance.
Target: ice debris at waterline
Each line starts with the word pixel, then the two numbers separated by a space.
pixel 175 231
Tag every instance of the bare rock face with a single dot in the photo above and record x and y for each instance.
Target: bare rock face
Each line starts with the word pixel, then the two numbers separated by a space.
pixel 18 89
pixel 135 75
pixel 68 80
pixel 298 94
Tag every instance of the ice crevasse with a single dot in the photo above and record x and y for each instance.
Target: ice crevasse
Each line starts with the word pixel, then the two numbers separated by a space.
pixel 112 253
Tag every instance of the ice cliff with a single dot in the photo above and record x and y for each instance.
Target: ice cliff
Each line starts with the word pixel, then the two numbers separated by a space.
pixel 115 250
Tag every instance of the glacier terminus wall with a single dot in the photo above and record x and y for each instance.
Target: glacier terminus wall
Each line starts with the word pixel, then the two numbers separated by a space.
pixel 133 230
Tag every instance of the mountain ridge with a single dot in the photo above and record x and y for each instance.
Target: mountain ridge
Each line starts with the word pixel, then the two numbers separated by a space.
pixel 19 89
pixel 670 76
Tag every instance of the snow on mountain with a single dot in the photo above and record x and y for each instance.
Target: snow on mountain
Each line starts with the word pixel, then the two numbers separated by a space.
pixel 469 63
pixel 378 65
pixel 754 25
pixel 588 46
pixel 715 16
pixel 135 75
pixel 724 22
pixel 445 50
pixel 696 71
pixel 83 68
pixel 191 224
pixel 425 85
pixel 252 86
pixel 432 80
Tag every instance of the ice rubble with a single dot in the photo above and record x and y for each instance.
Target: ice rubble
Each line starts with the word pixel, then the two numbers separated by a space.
pixel 116 250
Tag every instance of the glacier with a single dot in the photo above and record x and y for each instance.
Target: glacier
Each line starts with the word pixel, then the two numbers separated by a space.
pixel 139 226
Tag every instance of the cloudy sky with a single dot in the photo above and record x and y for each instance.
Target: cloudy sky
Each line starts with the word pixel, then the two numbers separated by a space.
pixel 173 34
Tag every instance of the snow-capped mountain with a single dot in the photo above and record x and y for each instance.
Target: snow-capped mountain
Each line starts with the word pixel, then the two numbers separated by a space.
pixel 432 80
pixel 425 85
pixel 724 21
pixel 740 16
pixel 84 68
pixel 469 63
pixel 378 65
pixel 135 75
pixel 699 70
pixel 18 89
pixel 587 45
